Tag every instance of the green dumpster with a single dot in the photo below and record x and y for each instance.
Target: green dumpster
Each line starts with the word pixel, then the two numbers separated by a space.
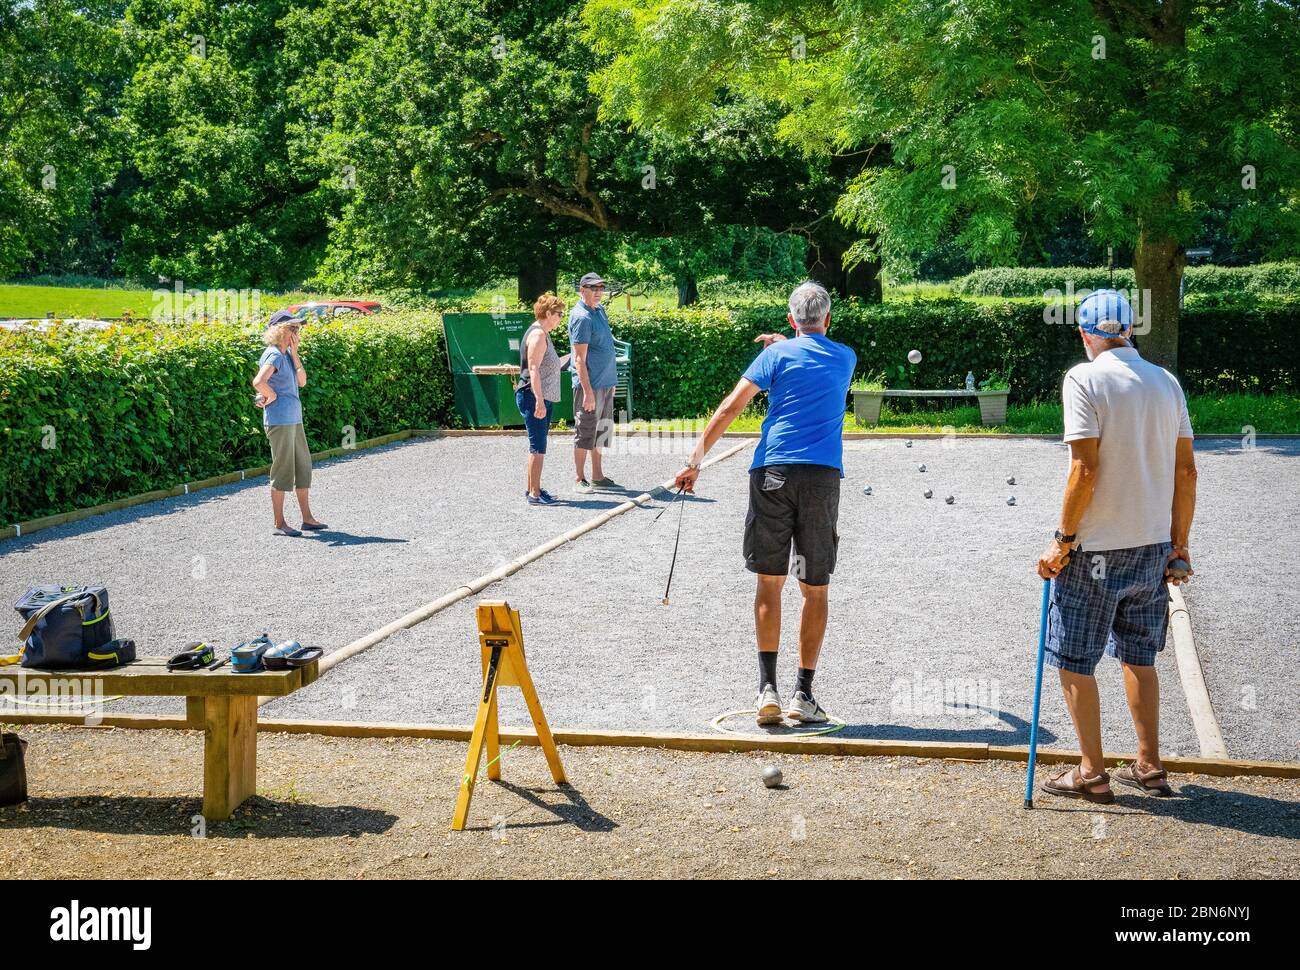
pixel 476 344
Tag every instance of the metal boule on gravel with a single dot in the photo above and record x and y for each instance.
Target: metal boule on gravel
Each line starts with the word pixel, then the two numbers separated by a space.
pixel 1011 480
pixel 928 493
pixel 771 776
pixel 866 489
pixel 908 443
pixel 950 499
pixel 1011 500
pixel 920 468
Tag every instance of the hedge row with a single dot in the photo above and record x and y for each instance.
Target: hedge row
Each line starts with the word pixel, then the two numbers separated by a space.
pixel 685 361
pixel 1264 279
pixel 89 417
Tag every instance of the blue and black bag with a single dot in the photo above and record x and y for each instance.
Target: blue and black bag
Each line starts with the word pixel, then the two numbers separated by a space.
pixel 67 628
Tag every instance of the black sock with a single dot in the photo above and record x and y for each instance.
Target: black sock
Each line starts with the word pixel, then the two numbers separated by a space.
pixel 766 668
pixel 803 682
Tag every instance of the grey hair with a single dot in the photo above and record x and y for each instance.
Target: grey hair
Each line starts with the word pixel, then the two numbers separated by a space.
pixel 809 304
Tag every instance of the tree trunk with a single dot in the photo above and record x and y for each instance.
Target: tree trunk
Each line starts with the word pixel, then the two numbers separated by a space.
pixel 1158 267
pixel 538 272
pixel 825 265
pixel 687 291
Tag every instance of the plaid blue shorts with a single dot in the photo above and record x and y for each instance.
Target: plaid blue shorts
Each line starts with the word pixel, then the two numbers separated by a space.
pixel 1109 602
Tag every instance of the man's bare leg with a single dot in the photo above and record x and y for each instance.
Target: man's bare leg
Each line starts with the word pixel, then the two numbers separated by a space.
pixel 597 470
pixel 812 623
pixel 580 465
pixel 1142 685
pixel 1085 710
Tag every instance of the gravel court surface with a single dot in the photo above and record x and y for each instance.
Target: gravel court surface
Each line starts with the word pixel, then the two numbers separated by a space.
pixel 932 603
pixel 113 804
pixel 1243 600
pixel 411 521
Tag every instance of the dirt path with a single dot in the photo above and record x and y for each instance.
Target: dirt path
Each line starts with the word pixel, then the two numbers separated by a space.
pixel 120 803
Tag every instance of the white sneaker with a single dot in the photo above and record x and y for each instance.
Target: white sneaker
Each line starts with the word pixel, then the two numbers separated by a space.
pixel 805 710
pixel 583 486
pixel 768 704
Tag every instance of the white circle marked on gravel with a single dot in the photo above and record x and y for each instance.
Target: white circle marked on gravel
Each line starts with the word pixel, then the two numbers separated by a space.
pixel 792 730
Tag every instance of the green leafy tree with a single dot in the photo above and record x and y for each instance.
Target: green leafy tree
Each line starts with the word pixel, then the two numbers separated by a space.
pixel 474 149
pixel 994 120
pixel 1139 115
pixel 679 70
pixel 61 75
pixel 220 200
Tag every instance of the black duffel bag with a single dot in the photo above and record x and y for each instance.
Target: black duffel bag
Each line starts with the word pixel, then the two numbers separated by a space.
pixel 66 628
pixel 13 769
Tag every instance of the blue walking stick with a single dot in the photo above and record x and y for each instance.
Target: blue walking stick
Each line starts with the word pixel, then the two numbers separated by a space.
pixel 1038 697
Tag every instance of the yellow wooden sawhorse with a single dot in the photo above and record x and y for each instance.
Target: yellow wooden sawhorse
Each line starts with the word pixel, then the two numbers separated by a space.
pixel 502 645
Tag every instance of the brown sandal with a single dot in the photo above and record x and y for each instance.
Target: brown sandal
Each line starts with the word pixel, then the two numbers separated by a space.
pixel 1153 782
pixel 1072 784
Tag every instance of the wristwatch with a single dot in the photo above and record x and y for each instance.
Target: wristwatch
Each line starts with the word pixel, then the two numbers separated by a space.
pixel 693 465
pixel 1062 538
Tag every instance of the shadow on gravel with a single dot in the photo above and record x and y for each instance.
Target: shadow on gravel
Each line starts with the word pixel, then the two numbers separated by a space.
pixel 577 811
pixel 1015 732
pixel 260 817
pixel 1197 805
pixel 333 538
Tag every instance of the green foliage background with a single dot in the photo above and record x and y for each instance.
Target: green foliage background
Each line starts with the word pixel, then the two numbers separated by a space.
pixel 1260 280
pixel 138 408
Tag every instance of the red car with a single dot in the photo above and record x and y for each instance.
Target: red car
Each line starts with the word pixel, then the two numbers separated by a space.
pixel 334 308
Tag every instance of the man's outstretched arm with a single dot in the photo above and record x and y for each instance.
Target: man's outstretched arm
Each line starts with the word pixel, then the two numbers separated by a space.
pixel 727 412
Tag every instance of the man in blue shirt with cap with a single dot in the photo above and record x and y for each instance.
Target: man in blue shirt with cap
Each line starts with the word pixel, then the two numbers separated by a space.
pixel 595 375
pixel 794 487
pixel 1126 516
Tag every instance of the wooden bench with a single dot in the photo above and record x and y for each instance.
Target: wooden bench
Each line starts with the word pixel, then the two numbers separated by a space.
pixel 220 702
pixel 993 403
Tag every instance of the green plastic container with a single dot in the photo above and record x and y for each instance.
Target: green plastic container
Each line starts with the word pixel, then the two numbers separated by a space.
pixel 487 339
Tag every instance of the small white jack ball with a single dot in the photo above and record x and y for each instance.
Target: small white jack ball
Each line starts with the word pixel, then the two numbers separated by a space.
pixel 771 776
pixel 914 356
pixel 1011 500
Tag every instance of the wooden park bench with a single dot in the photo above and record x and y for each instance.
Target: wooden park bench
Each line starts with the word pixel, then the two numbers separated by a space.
pixel 220 702
pixel 993 403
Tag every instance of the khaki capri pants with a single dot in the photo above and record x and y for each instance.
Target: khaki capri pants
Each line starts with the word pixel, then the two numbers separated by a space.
pixel 290 457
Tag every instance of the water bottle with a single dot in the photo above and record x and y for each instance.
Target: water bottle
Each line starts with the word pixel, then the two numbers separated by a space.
pixel 970 381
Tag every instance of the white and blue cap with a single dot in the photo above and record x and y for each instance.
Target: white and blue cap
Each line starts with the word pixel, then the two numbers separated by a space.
pixel 1105 313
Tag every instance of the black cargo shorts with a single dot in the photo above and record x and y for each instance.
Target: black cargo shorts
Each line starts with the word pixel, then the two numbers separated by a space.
pixel 795 505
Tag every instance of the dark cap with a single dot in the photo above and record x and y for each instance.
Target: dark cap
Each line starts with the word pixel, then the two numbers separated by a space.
pixel 590 279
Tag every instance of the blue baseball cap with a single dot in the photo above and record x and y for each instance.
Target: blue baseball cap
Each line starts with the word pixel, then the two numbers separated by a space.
pixel 1105 313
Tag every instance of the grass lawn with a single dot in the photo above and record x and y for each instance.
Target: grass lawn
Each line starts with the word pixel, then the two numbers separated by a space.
pixel 1211 414
pixel 102 303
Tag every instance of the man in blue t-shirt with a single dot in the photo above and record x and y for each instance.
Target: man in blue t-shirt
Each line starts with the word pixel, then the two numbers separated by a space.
pixel 595 375
pixel 794 486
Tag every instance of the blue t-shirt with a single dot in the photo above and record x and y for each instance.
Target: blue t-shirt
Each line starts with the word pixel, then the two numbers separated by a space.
pixel 591 327
pixel 287 407
pixel 807 382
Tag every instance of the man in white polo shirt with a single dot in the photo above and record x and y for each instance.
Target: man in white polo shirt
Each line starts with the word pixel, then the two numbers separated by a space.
pixel 1126 515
